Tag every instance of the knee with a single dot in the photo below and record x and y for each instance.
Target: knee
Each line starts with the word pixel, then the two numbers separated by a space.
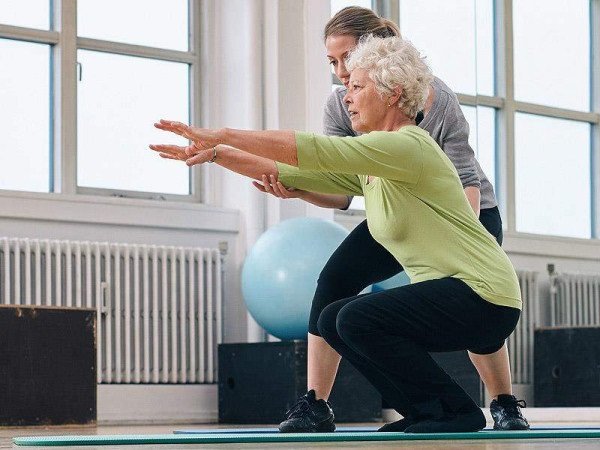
pixel 326 324
pixel 351 324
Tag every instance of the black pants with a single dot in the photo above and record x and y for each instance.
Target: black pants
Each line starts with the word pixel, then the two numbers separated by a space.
pixel 387 337
pixel 360 261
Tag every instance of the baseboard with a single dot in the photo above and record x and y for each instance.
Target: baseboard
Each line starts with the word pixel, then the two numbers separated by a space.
pixel 144 403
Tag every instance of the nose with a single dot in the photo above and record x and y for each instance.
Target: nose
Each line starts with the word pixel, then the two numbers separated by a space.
pixel 342 73
pixel 347 99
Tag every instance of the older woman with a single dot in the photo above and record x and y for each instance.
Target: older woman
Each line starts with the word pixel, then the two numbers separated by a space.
pixel 464 292
pixel 360 260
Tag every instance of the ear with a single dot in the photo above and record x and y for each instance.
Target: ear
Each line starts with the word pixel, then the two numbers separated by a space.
pixel 395 97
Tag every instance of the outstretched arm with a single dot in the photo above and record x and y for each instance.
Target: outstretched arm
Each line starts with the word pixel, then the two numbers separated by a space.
pixel 255 167
pixel 228 157
pixel 275 145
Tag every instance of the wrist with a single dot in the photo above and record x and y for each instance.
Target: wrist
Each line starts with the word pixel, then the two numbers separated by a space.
pixel 223 136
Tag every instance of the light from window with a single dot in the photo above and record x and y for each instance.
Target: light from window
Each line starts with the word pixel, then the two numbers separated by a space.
pixel 152 23
pixel 444 32
pixel 29 14
pixel 25 116
pixel 337 5
pixel 552 52
pixel 119 98
pixel 552 158
pixel 482 137
pixel 484 32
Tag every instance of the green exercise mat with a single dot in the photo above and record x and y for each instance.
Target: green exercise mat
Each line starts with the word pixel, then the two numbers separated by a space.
pixel 156 439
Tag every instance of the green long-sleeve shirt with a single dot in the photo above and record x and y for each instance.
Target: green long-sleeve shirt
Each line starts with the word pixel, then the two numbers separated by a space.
pixel 416 207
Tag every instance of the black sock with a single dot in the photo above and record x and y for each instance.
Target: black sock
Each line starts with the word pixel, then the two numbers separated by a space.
pixel 466 422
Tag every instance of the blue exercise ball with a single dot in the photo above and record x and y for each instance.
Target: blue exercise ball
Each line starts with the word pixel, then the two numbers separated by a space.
pixel 400 279
pixel 280 273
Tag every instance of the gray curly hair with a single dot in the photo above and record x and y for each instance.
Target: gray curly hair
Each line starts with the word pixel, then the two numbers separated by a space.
pixel 393 62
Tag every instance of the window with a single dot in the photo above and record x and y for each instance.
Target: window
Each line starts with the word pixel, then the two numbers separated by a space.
pixel 129 74
pixel 25 151
pixel 449 45
pixel 30 14
pixel 119 98
pixel 157 23
pixel 552 53
pixel 529 101
pixel 552 176
pixel 482 137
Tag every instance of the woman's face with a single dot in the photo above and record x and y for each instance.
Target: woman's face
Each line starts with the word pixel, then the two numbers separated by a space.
pixel 338 48
pixel 366 107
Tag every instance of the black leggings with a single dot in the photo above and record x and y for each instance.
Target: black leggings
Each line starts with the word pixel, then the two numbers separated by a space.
pixel 387 336
pixel 360 261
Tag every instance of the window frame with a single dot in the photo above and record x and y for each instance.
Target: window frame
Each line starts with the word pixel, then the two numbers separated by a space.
pixel 506 107
pixel 64 42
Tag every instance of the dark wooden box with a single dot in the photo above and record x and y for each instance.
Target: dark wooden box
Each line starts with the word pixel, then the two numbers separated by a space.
pixel 47 366
pixel 567 366
pixel 259 382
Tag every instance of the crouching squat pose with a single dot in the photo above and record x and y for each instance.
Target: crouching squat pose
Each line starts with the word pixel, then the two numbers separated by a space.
pixel 465 293
pixel 360 260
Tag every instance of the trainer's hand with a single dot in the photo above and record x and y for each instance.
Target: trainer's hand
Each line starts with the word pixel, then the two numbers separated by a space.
pixel 271 185
pixel 202 138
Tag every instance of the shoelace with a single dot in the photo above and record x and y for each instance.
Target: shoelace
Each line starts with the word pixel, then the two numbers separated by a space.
pixel 300 406
pixel 514 406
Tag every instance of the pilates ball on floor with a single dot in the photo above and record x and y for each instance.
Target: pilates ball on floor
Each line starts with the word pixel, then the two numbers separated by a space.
pixel 280 273
pixel 400 279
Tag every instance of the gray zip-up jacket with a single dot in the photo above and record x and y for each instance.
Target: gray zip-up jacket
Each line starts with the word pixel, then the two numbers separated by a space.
pixel 445 123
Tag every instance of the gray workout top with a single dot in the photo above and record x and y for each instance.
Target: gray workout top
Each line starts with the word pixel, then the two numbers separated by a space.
pixel 445 123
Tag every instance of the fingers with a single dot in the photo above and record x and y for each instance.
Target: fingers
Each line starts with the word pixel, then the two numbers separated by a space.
pixel 176 127
pixel 168 156
pixel 287 192
pixel 259 186
pixel 175 151
pixel 199 158
pixel 278 188
pixel 267 186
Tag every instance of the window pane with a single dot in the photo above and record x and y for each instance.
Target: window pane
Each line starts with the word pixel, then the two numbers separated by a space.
pixel 485 46
pixel 29 14
pixel 486 142
pixel 552 52
pixel 153 23
pixel 482 137
pixel 336 5
pixel 25 116
pixel 119 98
pixel 444 32
pixel 552 176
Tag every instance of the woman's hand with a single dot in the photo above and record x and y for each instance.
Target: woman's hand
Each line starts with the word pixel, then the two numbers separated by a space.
pixel 202 138
pixel 275 187
pixel 180 153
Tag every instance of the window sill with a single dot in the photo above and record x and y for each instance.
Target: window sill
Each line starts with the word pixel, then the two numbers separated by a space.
pixel 117 211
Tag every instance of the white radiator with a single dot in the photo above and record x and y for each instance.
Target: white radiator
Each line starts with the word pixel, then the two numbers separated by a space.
pixel 159 308
pixel 520 342
pixel 574 299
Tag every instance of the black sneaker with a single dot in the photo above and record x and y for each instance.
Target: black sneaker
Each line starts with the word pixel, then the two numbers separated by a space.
pixel 506 412
pixel 308 415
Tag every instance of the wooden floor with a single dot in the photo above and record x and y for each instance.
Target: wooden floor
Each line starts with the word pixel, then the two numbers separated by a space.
pixel 6 435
